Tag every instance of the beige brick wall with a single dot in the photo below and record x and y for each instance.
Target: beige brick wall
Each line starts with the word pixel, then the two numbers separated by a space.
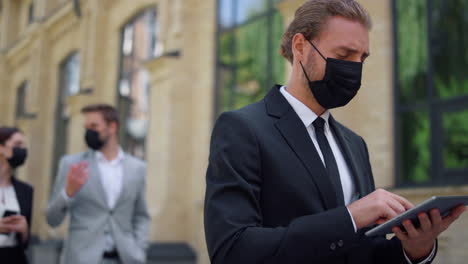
pixel 181 101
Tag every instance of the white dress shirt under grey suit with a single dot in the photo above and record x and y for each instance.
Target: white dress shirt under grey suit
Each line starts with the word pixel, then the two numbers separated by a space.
pixel 108 212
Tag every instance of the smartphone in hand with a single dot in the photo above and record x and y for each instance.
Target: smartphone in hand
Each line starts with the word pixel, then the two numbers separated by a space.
pixel 9 213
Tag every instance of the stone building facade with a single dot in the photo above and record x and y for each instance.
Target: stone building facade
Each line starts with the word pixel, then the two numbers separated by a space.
pixel 57 56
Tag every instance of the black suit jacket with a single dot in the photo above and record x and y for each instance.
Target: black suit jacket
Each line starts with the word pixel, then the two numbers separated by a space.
pixel 268 197
pixel 24 194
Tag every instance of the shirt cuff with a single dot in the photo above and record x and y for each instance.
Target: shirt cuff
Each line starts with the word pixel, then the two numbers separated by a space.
pixel 354 224
pixel 66 197
pixel 427 260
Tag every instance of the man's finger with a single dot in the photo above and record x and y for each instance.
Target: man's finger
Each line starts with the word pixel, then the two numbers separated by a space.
pixel 380 221
pixel 454 215
pixel 403 201
pixel 84 175
pixel 458 211
pixel 425 222
pixel 410 229
pixel 83 165
pixel 72 170
pixel 396 206
pixel 388 213
pixel 436 218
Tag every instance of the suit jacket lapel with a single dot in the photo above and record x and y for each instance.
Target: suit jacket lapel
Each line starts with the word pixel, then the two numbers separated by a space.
pixel 346 149
pixel 126 172
pixel 297 137
pixel 95 181
pixel 19 195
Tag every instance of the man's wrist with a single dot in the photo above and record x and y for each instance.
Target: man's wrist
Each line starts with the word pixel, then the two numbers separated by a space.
pixel 420 254
pixel 421 258
pixel 65 195
pixel 352 220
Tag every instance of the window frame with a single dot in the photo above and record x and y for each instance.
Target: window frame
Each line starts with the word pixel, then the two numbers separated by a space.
pixel 61 122
pixel 124 102
pixel 436 107
pixel 269 14
pixel 21 111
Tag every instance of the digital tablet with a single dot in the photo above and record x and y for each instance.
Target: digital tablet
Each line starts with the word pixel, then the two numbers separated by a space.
pixel 9 213
pixel 444 203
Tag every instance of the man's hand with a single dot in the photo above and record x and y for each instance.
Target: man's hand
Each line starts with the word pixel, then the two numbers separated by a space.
pixel 77 176
pixel 418 242
pixel 377 207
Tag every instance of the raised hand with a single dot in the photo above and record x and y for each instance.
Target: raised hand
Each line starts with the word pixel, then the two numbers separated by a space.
pixel 77 176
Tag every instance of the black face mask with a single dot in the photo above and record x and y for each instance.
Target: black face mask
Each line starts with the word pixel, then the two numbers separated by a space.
pixel 340 84
pixel 18 157
pixel 92 140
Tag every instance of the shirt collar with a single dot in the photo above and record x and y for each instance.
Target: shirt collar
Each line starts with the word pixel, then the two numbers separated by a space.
pixel 306 115
pixel 101 158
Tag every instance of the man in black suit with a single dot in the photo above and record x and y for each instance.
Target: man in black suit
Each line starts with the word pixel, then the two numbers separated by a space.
pixel 287 183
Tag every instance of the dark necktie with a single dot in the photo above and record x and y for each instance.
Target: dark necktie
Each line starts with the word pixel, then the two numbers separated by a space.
pixel 329 158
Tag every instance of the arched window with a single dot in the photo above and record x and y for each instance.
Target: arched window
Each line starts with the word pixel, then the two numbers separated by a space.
pixel 68 84
pixel 139 43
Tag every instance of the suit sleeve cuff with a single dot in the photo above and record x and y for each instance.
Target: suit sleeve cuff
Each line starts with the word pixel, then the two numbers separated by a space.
pixel 352 220
pixel 427 260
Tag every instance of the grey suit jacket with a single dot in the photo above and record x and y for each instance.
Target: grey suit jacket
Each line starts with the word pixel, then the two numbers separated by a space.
pixel 90 214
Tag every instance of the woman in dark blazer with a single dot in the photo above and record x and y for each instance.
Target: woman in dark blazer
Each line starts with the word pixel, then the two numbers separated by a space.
pixel 16 198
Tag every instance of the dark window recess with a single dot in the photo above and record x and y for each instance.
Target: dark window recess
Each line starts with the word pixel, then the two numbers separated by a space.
pixel 139 43
pixel 431 93
pixel 22 102
pixel 68 85
pixel 31 13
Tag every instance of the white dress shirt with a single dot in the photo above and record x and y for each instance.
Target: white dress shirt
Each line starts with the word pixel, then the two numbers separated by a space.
pixel 111 172
pixel 307 117
pixel 9 202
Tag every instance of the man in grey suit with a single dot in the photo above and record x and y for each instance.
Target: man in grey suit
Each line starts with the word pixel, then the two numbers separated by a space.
pixel 103 189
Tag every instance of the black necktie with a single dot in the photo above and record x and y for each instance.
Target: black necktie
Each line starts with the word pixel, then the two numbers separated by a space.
pixel 329 158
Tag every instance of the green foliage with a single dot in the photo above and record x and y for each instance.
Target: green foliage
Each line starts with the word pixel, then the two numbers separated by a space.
pixel 448 55
pixel 416 154
pixel 412 49
pixel 249 59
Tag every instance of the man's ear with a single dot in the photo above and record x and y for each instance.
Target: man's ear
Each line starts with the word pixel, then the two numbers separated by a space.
pixel 298 46
pixel 114 127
